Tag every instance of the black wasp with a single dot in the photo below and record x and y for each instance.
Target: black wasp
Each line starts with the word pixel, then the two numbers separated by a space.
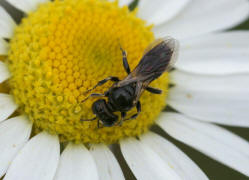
pixel 124 94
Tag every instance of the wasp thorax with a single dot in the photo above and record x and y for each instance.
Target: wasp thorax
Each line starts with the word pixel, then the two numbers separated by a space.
pixel 122 99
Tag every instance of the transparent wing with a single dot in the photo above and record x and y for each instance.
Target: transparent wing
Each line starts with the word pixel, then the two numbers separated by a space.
pixel 169 41
pixel 175 46
pixel 160 56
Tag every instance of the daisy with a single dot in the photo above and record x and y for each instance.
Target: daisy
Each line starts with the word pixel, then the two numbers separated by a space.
pixel 62 48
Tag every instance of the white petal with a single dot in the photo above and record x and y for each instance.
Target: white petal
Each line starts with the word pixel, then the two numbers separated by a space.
pixel 234 82
pixel 26 5
pixel 209 139
pixel 7 24
pixel 202 16
pixel 7 106
pixel 224 106
pixel 4 72
pixel 14 133
pixel 144 162
pixel 37 160
pixel 107 164
pixel 124 2
pixel 160 11
pixel 174 157
pixel 218 53
pixel 3 47
pixel 76 162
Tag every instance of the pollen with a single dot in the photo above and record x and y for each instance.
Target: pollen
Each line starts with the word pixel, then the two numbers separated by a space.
pixel 63 49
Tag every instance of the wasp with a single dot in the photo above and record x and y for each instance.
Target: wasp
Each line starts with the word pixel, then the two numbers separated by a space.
pixel 124 94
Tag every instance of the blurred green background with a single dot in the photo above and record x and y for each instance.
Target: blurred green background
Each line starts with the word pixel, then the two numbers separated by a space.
pixel 213 169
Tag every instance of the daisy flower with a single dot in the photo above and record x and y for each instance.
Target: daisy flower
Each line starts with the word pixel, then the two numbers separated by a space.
pixel 62 48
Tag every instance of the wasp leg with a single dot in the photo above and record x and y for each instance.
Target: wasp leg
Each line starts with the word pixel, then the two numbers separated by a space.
pixel 123 114
pixel 93 95
pixel 100 83
pixel 154 90
pixel 125 62
pixel 138 112
pixel 98 125
pixel 92 119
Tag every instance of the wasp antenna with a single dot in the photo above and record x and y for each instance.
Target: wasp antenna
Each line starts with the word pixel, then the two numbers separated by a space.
pixel 103 81
pixel 88 90
pixel 84 99
pixel 120 46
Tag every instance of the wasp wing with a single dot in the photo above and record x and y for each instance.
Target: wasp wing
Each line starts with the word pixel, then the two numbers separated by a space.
pixel 159 57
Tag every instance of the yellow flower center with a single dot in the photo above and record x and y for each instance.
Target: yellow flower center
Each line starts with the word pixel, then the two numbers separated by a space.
pixel 64 48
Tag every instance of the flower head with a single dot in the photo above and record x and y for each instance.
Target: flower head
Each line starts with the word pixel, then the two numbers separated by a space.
pixel 63 48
